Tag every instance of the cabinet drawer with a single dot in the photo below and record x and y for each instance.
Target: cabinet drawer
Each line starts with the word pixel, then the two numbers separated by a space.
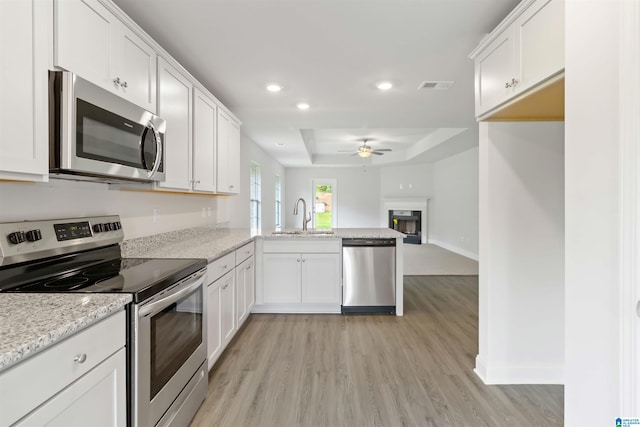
pixel 320 245
pixel 244 252
pixel 39 378
pixel 220 267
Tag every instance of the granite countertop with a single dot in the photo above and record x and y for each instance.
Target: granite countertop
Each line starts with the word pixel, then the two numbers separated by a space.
pixel 31 322
pixel 211 244
pixel 339 233
pixel 200 242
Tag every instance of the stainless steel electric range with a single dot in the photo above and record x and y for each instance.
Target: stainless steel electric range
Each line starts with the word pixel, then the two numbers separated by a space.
pixel 166 344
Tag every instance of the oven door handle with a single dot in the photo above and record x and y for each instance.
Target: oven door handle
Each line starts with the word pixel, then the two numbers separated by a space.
pixel 155 307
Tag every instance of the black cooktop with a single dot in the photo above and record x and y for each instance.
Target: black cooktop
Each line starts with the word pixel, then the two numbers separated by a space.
pixel 99 270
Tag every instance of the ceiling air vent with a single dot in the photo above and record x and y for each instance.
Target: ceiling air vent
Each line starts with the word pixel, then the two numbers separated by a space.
pixel 442 85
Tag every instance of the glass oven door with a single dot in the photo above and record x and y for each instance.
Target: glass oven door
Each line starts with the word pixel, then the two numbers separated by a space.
pixel 169 348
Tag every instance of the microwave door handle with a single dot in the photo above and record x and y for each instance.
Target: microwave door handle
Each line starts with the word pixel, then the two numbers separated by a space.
pixel 161 304
pixel 143 162
pixel 156 136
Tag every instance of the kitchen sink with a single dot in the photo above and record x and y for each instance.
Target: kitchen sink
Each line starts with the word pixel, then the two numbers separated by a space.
pixel 303 232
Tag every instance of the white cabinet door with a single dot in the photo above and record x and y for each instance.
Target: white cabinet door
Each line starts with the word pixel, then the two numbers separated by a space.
pixel 245 286
pixel 321 278
pixel 539 39
pixel 175 106
pixel 23 90
pixel 93 43
pixel 98 399
pixel 241 305
pixel 137 69
pixel 227 307
pixel 214 316
pixel 233 162
pixel 85 32
pixel 204 139
pixel 227 155
pixel 250 283
pixel 494 73
pixel 281 278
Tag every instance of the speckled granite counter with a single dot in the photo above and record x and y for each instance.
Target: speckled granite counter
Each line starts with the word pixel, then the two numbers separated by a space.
pixel 341 233
pixel 209 243
pixel 31 322
pixel 199 242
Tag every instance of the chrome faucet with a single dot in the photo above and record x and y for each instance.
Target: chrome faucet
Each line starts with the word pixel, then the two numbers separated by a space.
pixel 305 220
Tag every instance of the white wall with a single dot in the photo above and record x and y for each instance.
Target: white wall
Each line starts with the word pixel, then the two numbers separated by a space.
pixel 521 283
pixel 61 198
pixel 358 194
pixel 406 181
pixel 593 220
pixel 453 209
pixel 236 208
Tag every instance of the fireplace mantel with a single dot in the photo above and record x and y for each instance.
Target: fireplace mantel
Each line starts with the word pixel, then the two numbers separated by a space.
pixel 409 204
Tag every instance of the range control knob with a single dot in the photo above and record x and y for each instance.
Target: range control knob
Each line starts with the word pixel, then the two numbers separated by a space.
pixel 112 226
pixel 97 228
pixel 33 235
pixel 16 237
pixel 118 225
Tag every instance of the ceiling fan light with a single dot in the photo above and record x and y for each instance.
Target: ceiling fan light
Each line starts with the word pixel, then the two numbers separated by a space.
pixel 386 85
pixel 364 153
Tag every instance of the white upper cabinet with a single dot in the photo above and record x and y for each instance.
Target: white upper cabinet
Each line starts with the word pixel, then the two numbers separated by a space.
pixel 228 154
pixel 539 37
pixel 204 140
pixel 175 106
pixel 24 38
pixel 523 52
pixel 93 43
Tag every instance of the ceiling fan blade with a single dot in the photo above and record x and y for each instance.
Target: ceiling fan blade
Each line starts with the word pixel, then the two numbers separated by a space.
pixel 377 154
pixel 355 154
pixel 383 149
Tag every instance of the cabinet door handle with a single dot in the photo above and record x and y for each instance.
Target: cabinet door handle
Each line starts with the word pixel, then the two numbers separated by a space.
pixel 298 260
pixel 507 85
pixel 80 358
pixel 514 82
pixel 224 266
pixel 303 260
pixel 249 268
pixel 124 85
pixel 116 81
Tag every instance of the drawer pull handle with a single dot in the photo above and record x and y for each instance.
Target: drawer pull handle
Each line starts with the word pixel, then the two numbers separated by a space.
pixel 81 358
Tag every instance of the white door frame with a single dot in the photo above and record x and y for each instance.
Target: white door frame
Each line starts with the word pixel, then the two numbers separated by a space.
pixel 629 99
pixel 333 182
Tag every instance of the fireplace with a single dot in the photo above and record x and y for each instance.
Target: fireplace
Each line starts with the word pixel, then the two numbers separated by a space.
pixel 407 222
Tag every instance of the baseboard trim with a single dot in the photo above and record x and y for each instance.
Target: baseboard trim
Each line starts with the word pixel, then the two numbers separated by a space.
pixel 455 249
pixel 522 374
pixel 296 308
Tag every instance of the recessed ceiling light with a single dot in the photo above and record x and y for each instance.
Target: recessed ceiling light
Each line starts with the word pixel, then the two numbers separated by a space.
pixel 303 106
pixel 384 85
pixel 274 87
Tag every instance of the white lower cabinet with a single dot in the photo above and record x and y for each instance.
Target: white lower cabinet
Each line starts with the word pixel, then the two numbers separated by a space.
pixel 231 295
pixel 79 381
pixel 227 307
pixel 245 289
pixel 307 280
pixel 92 397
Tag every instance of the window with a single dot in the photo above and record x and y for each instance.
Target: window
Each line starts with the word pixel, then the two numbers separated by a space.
pixel 278 202
pixel 255 195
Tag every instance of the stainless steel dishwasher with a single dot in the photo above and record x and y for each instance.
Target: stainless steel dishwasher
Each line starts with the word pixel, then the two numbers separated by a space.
pixel 369 276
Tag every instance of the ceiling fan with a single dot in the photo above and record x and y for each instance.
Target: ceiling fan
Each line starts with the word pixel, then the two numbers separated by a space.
pixel 365 150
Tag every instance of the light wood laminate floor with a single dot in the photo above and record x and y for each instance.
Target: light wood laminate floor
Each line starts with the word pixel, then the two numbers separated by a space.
pixel 357 370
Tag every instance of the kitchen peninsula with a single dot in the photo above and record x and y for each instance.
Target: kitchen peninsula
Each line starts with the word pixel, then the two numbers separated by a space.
pixel 317 292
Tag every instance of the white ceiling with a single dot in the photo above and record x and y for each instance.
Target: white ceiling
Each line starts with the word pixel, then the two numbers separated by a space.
pixel 330 53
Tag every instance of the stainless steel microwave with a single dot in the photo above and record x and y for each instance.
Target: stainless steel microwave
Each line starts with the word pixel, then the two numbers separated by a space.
pixel 97 135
